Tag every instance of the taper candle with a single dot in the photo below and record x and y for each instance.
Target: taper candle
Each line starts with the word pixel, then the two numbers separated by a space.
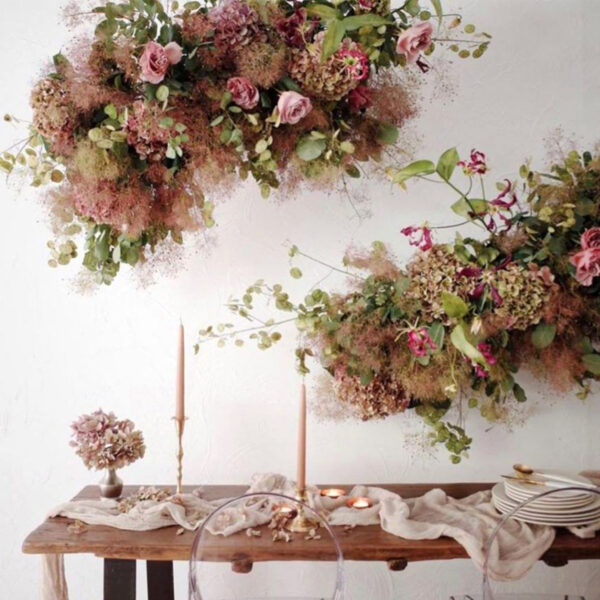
pixel 302 441
pixel 180 386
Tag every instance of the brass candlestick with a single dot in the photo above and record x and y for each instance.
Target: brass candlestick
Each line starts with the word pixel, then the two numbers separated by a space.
pixel 179 427
pixel 301 523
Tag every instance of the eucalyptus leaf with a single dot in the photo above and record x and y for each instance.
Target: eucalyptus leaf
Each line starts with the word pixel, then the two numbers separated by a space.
pixel 387 134
pixel 543 335
pixel 309 148
pixel 592 363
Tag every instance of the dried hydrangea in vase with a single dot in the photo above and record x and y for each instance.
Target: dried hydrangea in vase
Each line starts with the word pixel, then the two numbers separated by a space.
pixel 106 443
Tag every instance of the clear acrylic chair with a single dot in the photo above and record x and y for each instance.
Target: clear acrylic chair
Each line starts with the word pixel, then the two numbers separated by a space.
pixel 248 563
pixel 487 592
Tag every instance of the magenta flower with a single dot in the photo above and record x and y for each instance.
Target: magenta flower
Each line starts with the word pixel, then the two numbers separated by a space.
pixel 485 281
pixel 420 342
pixel 476 164
pixel 479 370
pixel 356 61
pixel 487 352
pixel 419 237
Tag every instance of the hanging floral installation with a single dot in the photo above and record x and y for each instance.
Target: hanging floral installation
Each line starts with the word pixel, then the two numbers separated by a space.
pixel 458 322
pixel 135 128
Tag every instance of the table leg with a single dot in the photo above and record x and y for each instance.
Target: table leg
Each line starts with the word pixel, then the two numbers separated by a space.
pixel 159 574
pixel 119 579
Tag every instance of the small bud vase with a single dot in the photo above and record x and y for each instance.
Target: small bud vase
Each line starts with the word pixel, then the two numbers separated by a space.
pixel 111 485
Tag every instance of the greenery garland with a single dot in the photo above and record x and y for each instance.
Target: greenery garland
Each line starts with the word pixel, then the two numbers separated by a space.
pixel 460 320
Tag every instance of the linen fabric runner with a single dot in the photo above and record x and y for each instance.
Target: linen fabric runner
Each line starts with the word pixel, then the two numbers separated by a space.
pixel 470 521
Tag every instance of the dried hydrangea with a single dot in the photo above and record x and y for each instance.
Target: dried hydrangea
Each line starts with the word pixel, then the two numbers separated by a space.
pixel 384 395
pixel 104 442
pixel 144 494
pixel 52 116
pixel 328 80
pixel 524 294
pixel 432 273
pixel 236 25
pixel 147 133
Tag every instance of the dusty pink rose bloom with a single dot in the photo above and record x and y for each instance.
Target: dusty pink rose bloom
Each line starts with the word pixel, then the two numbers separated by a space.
pixel 156 59
pixel 292 107
pixel 414 40
pixel 243 92
pixel 174 52
pixel 590 238
pixel 587 263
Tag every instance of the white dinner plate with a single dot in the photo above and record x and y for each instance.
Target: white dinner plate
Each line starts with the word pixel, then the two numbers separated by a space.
pixel 528 490
pixel 561 518
pixel 546 501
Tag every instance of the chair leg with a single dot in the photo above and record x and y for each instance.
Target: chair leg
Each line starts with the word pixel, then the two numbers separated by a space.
pixel 159 574
pixel 119 579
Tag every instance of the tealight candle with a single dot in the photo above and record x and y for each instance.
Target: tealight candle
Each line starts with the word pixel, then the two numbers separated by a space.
pixel 360 503
pixel 333 493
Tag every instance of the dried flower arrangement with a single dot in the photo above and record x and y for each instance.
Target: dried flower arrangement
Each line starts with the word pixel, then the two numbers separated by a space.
pixel 459 321
pixel 168 104
pixel 104 442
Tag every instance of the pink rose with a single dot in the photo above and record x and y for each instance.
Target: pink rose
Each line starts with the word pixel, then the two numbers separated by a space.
pixel 587 263
pixel 174 52
pixel 415 39
pixel 156 59
pixel 243 92
pixel 292 107
pixel 590 238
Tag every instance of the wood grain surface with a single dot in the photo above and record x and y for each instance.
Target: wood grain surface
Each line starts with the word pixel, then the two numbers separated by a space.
pixel 361 544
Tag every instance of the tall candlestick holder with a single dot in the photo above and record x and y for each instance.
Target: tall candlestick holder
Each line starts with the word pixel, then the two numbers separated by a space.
pixel 179 427
pixel 302 523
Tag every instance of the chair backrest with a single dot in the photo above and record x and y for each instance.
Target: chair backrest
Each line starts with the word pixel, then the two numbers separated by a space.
pixel 244 549
pixel 487 590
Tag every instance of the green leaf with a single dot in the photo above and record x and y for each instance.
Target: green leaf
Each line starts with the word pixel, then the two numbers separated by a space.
pixel 519 393
pixel 309 148
pixel 333 38
pixel 419 167
pixel 543 335
pixel 295 272
pixel 366 20
pixel 162 93
pixel 465 208
pixel 387 134
pixel 323 11
pixel 437 332
pixel 592 363
pixel 458 337
pixel 111 110
pixel 439 11
pixel 454 306
pixel 447 163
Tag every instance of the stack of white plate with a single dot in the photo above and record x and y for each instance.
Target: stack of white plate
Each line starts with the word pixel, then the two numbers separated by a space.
pixel 568 508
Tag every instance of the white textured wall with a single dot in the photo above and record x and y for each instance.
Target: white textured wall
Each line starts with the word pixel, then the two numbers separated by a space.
pixel 62 353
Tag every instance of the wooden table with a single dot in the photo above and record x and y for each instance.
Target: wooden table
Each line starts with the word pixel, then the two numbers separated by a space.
pixel 121 549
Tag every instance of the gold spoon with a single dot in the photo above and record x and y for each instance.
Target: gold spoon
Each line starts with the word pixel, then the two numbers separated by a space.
pixel 524 472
